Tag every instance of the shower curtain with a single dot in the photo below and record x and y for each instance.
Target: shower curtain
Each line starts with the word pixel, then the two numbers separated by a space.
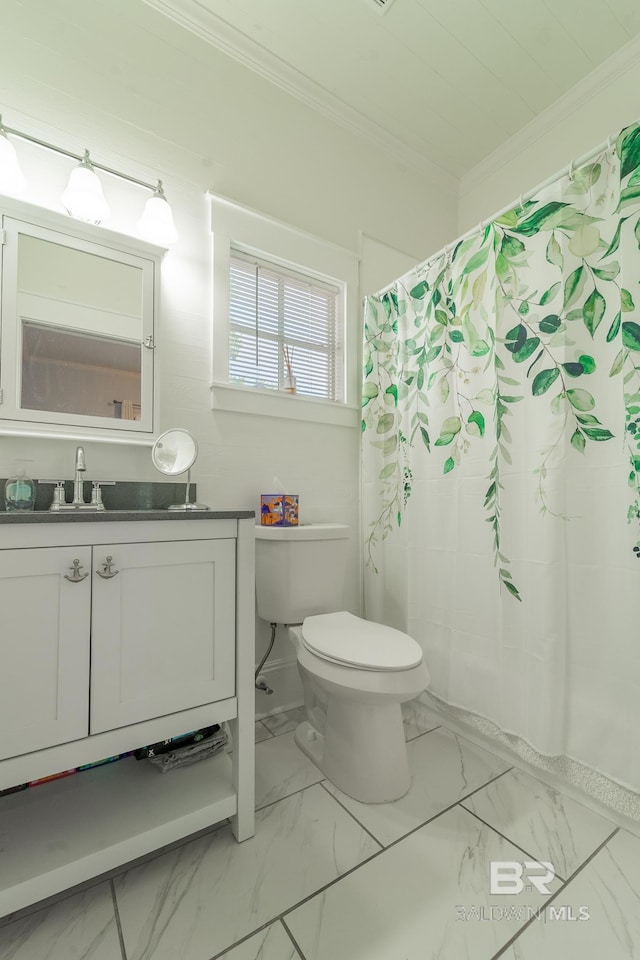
pixel 501 465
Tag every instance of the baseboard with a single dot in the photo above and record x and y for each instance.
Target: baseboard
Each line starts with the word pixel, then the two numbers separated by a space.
pixel 283 678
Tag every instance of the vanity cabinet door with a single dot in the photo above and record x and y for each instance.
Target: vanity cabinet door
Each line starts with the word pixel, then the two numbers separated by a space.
pixel 44 639
pixel 163 629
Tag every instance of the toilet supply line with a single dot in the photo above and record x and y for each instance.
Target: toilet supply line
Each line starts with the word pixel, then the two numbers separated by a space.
pixel 260 682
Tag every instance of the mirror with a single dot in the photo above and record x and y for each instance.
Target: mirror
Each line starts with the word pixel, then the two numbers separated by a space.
pixel 77 325
pixel 174 452
pixel 79 373
pixel 81 320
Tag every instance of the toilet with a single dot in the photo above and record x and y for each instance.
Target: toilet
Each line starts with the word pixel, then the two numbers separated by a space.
pixel 355 674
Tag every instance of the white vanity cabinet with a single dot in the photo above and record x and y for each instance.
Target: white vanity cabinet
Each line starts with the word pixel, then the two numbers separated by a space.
pixel 44 633
pixel 116 633
pixel 155 609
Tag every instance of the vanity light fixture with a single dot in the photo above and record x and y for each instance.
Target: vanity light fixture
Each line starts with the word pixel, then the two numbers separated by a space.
pixel 12 180
pixel 156 223
pixel 84 198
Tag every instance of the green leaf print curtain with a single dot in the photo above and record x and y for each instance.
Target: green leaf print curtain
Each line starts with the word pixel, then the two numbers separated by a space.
pixel 501 449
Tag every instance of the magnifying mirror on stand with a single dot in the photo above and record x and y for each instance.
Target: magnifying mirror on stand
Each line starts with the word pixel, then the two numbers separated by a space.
pixel 173 453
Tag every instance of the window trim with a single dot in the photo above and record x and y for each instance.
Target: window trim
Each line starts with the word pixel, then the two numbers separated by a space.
pixel 281 244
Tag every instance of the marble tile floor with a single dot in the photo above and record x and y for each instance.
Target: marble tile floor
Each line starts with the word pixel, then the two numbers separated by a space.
pixel 328 878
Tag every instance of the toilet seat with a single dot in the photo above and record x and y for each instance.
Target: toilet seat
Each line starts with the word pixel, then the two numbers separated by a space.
pixel 350 641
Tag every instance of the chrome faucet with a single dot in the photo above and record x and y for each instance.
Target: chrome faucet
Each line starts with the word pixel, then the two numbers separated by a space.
pixel 81 466
pixel 59 501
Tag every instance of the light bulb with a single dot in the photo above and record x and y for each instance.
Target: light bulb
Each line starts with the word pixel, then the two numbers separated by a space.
pixel 12 181
pixel 83 198
pixel 156 223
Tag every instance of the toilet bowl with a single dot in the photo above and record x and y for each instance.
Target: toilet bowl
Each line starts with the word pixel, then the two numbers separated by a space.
pixel 355 675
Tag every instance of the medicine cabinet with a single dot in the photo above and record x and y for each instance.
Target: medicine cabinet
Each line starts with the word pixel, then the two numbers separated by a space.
pixel 78 329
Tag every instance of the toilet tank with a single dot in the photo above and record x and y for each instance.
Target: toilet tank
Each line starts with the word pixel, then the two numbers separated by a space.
pixel 300 570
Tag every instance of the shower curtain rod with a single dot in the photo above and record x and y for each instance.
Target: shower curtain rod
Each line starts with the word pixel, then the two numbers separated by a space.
pixel 573 166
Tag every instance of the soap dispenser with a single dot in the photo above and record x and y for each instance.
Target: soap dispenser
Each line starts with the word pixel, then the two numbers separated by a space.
pixel 20 490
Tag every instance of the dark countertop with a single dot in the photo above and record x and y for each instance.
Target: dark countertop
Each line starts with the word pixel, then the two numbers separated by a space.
pixel 106 516
pixel 123 500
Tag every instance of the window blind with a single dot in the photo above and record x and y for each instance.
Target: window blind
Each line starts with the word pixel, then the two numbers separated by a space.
pixel 275 311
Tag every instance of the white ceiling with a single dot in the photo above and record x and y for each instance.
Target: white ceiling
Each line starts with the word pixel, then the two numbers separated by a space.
pixel 441 82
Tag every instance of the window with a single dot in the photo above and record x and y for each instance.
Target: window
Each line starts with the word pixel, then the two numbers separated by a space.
pixel 282 324
pixel 277 287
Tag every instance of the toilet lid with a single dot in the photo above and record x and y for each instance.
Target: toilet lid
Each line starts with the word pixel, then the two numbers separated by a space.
pixel 343 638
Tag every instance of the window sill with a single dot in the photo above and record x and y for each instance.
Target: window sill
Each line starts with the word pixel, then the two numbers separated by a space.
pixel 270 403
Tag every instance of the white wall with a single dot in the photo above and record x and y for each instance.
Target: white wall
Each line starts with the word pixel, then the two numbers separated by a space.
pixel 595 109
pixel 382 264
pixel 148 98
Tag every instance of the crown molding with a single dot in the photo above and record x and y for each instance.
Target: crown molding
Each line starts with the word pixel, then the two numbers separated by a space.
pixel 581 93
pixel 195 16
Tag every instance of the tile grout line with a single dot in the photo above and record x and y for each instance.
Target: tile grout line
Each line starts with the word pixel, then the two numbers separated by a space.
pixel 324 778
pixel 493 780
pixel 286 796
pixel 281 916
pixel 31 909
pixel 424 733
pixel 351 814
pixel 555 895
pixel 282 732
pixel 254 933
pixel 508 839
pixel 236 943
pixel 538 773
pixel 420 825
pixel 425 822
pixel 331 883
pixel 293 939
pixel 446 810
pixel 378 853
pixel 116 911
pixel 274 736
pixel 108 875
pixel 357 866
pixel 267 731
